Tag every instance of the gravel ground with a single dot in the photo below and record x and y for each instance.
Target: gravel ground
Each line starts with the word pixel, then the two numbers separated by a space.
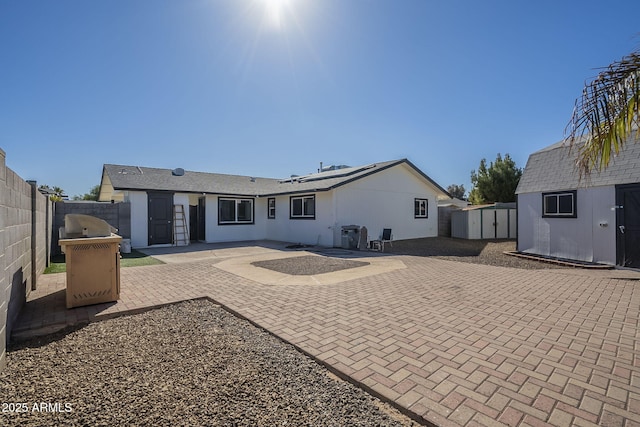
pixel 308 265
pixel 490 252
pixel 187 364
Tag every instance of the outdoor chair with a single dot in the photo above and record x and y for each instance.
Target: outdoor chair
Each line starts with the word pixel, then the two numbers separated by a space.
pixel 386 237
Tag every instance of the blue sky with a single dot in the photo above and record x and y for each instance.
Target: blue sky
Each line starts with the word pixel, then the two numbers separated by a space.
pixel 274 87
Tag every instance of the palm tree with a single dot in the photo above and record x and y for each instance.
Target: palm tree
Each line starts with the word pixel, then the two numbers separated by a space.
pixel 607 113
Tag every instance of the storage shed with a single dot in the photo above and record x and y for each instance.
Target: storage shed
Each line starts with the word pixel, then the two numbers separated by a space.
pixel 593 219
pixel 497 221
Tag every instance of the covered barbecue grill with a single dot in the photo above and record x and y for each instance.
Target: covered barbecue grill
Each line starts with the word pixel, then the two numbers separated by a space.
pixel 92 255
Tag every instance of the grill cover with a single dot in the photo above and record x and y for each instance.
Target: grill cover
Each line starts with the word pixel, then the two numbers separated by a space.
pixel 78 225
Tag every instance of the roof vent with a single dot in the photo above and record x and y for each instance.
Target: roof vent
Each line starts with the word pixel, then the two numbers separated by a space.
pixel 177 172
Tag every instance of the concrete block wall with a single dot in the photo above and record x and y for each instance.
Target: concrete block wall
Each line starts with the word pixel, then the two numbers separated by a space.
pixel 118 215
pixel 23 226
pixel 444 220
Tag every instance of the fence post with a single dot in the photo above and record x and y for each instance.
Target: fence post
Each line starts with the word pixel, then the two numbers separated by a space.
pixel 34 249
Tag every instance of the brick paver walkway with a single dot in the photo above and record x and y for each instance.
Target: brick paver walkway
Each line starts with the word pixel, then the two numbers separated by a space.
pixel 455 344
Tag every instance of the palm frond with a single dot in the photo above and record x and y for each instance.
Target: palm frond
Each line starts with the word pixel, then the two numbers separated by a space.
pixel 605 115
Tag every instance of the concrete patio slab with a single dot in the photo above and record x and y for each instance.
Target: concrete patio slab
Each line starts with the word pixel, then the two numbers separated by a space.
pixel 452 343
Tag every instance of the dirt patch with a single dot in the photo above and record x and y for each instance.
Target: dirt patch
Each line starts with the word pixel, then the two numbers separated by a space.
pixel 308 265
pixel 488 252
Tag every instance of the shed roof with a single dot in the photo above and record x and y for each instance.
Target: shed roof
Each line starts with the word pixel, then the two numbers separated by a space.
pixel 123 177
pixel 553 169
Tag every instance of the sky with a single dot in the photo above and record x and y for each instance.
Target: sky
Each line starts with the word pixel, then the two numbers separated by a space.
pixel 270 88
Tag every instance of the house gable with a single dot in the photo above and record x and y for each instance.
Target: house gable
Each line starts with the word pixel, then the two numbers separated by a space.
pixel 397 197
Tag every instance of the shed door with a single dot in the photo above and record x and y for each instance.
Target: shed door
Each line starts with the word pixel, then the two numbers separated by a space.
pixel 502 223
pixel 160 218
pixel 488 223
pixel 628 225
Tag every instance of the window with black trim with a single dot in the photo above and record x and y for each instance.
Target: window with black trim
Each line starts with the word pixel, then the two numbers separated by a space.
pixel 302 207
pixel 561 204
pixel 421 208
pixel 235 211
pixel 271 207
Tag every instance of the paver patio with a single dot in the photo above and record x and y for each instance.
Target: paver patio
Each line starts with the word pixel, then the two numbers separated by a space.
pixel 453 343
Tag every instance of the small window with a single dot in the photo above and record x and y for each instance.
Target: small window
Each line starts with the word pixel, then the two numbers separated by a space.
pixel 271 207
pixel 559 205
pixel 303 207
pixel 421 208
pixel 235 211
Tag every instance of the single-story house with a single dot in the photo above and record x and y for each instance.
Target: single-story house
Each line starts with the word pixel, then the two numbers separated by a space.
pixel 593 219
pixel 309 209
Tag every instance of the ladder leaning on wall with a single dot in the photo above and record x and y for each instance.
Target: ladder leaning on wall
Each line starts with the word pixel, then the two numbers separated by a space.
pixel 180 231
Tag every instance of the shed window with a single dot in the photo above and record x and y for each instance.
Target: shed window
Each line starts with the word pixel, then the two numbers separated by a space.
pixel 235 211
pixel 421 208
pixel 560 205
pixel 303 207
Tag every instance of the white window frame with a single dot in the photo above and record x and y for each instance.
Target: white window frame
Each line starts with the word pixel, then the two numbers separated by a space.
pixel 238 202
pixel 555 199
pixel 271 210
pixel 417 207
pixel 305 204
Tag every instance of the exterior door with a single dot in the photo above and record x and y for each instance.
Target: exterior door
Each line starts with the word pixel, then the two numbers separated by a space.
pixel 628 225
pixel 160 218
pixel 193 223
pixel 201 219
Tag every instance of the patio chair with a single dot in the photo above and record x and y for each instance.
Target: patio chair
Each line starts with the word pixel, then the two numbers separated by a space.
pixel 386 237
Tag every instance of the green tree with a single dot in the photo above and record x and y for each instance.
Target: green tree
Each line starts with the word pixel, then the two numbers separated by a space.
pixel 91 195
pixel 496 183
pixel 606 114
pixel 56 194
pixel 456 191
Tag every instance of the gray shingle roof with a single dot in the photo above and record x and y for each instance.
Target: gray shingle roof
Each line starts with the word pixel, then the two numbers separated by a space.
pixel 143 178
pixel 553 169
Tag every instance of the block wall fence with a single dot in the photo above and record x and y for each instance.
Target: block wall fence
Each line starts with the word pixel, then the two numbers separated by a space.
pixel 26 218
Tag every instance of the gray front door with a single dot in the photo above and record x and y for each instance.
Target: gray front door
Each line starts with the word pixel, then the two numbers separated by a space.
pixel 628 225
pixel 160 218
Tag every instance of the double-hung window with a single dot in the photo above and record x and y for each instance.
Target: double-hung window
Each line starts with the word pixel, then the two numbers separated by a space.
pixel 235 211
pixel 303 207
pixel 559 204
pixel 271 207
pixel 421 208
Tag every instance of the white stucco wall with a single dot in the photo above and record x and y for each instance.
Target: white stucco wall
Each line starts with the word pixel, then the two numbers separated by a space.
pixel 581 238
pixel 318 231
pixel 386 200
pixel 237 232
